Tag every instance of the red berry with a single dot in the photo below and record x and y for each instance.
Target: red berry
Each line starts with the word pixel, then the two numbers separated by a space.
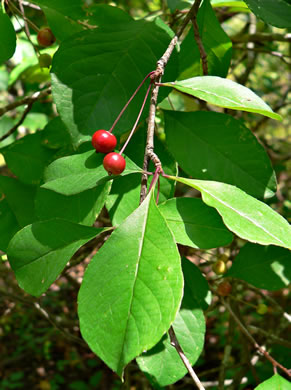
pixel 103 141
pixel 45 37
pixel 114 163
pixel 224 289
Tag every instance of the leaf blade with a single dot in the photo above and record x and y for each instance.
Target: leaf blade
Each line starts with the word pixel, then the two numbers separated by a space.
pixel 224 93
pixel 138 290
pixel 40 251
pixel 216 146
pixel 244 215
pixel 80 172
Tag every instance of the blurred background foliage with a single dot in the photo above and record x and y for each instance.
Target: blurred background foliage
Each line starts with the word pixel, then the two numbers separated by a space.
pixel 52 355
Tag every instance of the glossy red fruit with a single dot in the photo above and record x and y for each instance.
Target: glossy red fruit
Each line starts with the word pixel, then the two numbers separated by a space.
pixel 45 37
pixel 103 141
pixel 114 163
pixel 224 289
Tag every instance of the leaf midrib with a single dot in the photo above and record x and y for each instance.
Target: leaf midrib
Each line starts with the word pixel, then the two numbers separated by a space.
pixel 241 214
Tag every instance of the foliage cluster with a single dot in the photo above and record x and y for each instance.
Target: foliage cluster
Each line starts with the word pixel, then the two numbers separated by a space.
pixel 193 229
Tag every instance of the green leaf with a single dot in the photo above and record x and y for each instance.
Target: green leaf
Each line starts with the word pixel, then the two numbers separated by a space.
pixel 80 172
pixel 215 41
pixel 90 80
pixel 265 267
pixel 55 135
pixel 247 217
pixel 6 123
pixel 125 192
pixel 229 3
pixel 194 224
pixel 132 289
pixel 27 158
pixel 123 198
pixel 196 284
pixel 215 146
pixel 162 364
pixel 224 93
pixel 20 198
pixel 277 13
pixel 276 382
pixel 179 4
pixel 8 41
pixel 39 252
pixel 8 223
pixel 80 208
pixel 67 17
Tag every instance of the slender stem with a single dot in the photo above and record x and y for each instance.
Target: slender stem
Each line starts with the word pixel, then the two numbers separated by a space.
pixel 21 120
pixel 26 100
pixel 161 64
pixel 29 101
pixel 17 11
pixel 203 54
pixel 250 337
pixel 133 95
pixel 261 37
pixel 27 32
pixel 158 192
pixel 137 119
pixel 175 343
pixel 156 177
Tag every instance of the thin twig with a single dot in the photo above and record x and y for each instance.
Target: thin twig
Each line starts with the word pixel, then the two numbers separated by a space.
pixel 203 54
pixel 18 12
pixel 250 337
pixel 126 105
pixel 176 345
pixel 30 103
pixel 24 19
pixel 227 353
pixel 261 37
pixel 44 314
pixel 21 120
pixel 137 119
pixel 272 52
pixel 270 335
pixel 28 99
pixel 161 64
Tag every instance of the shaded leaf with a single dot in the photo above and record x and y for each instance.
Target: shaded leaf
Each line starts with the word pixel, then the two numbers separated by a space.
pixel 247 217
pixel 80 172
pixel 27 158
pixel 194 224
pixel 214 146
pixel 266 267
pixel 132 289
pixel 124 197
pixel 80 208
pixel 224 93
pixel 67 17
pixel 162 364
pixel 196 284
pixel 39 252
pixel 20 198
pixel 8 223
pixel 276 13
pixel 8 41
pixel 91 82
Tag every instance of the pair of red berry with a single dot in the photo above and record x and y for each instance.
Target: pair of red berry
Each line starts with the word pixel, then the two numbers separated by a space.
pixel 105 142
